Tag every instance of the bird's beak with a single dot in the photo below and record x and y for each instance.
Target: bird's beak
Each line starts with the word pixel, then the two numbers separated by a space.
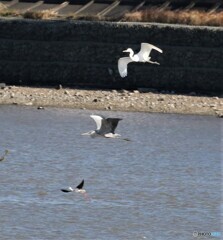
pixel 125 50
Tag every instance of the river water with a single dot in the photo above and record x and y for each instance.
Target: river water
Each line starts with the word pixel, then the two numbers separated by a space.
pixel 163 184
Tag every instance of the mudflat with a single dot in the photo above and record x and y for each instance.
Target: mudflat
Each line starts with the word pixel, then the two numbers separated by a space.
pixel 142 100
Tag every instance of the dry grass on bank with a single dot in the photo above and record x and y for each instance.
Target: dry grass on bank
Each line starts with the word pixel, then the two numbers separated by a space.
pixel 46 14
pixel 5 12
pixel 86 17
pixel 188 17
pixel 192 17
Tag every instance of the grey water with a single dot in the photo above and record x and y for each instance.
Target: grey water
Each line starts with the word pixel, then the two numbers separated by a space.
pixel 164 184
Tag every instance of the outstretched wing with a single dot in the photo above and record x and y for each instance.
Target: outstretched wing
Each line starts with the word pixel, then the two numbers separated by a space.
pixel 98 120
pixel 80 185
pixel 109 125
pixel 66 190
pixel 145 50
pixel 122 66
pixel 113 123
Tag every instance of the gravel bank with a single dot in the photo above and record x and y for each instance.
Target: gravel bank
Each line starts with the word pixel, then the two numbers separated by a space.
pixel 146 100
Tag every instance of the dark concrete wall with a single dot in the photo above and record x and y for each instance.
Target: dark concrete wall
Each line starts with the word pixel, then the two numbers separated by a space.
pixel 72 53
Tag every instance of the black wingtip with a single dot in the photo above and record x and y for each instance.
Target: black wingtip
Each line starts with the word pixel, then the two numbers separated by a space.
pixel 80 185
pixel 65 190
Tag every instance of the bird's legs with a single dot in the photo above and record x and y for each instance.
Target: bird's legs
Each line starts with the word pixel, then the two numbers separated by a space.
pixel 153 62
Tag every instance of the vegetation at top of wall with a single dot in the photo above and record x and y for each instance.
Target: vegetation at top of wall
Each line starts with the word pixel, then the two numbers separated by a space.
pixel 46 14
pixel 5 12
pixel 88 17
pixel 188 17
pixel 192 17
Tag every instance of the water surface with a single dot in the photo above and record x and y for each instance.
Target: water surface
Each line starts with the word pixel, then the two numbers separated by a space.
pixel 164 184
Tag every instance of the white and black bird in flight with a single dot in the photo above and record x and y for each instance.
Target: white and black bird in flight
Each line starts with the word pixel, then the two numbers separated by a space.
pixel 79 188
pixel 105 127
pixel 142 56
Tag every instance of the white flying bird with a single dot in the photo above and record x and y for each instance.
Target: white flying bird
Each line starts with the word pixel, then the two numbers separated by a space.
pixel 105 127
pixel 141 56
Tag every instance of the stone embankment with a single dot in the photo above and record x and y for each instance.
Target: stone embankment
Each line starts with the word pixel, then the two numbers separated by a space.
pixel 146 100
pixel 85 54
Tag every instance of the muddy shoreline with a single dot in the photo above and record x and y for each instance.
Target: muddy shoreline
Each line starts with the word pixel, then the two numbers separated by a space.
pixel 142 100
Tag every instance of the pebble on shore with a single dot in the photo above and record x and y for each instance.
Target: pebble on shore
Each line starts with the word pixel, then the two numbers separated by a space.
pixel 142 100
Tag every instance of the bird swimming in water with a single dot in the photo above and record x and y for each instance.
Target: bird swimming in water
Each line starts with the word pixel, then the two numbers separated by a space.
pixel 141 56
pixel 105 127
pixel 79 188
